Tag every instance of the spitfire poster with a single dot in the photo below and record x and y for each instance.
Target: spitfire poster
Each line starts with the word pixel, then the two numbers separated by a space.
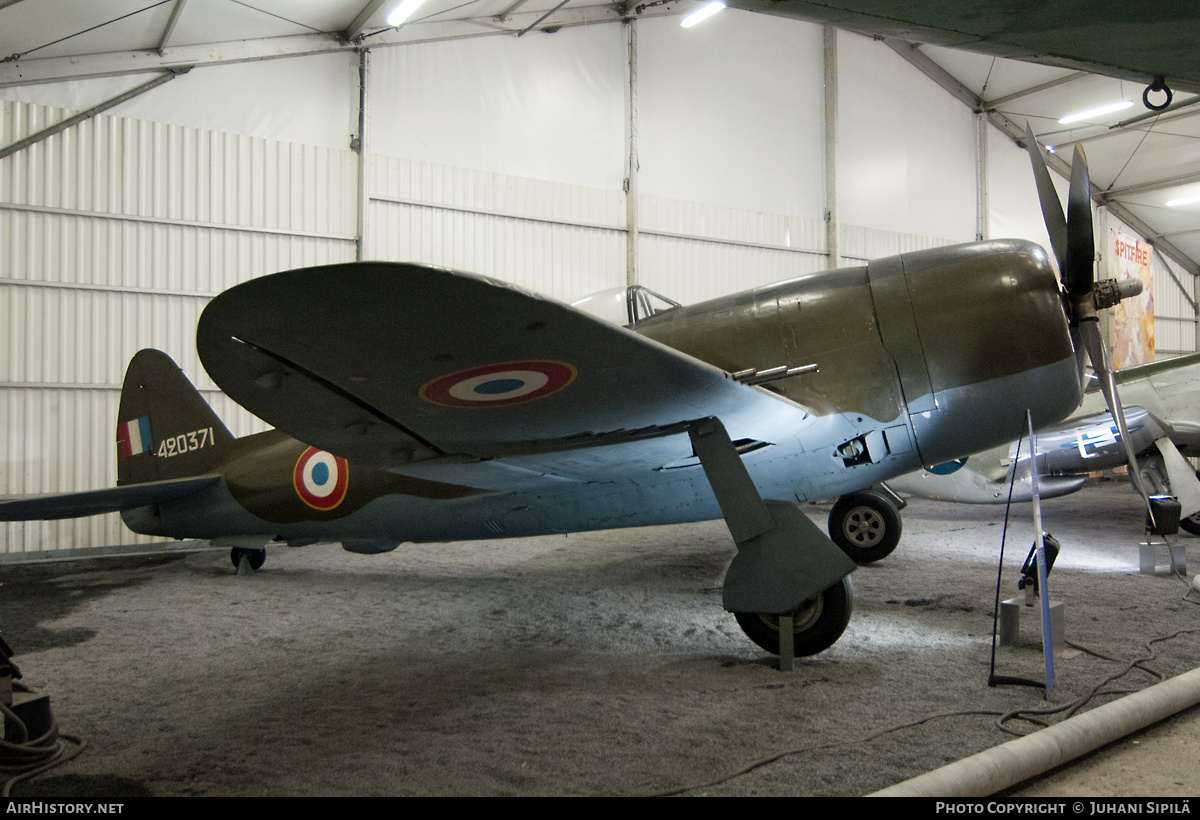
pixel 1133 319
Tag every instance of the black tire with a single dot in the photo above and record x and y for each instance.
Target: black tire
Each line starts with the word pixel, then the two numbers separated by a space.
pixel 866 525
pixel 819 621
pixel 256 557
pixel 1192 522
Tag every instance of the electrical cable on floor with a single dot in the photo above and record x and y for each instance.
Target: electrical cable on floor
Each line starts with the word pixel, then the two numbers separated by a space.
pixel 790 752
pixel 1192 585
pixel 24 758
pixel 1029 715
pixel 1069 709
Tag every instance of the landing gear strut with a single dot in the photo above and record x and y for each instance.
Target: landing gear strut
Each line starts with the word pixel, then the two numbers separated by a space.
pixel 817 623
pixel 866 525
pixel 784 562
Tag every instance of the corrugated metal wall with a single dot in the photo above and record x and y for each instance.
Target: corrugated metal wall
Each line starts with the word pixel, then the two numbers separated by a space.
pixel 113 236
pixel 562 240
pixel 1175 330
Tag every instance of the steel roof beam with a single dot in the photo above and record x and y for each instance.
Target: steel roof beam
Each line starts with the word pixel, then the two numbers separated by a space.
pixel 1028 92
pixel 959 91
pixel 1155 185
pixel 926 65
pixel 63 69
pixel 89 113
pixel 360 20
pixel 170 29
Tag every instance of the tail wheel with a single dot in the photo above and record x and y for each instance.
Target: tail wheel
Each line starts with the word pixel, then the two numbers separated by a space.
pixel 256 557
pixel 817 623
pixel 865 525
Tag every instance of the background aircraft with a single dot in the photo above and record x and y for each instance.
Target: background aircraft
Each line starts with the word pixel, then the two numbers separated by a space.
pixel 1163 420
pixel 421 404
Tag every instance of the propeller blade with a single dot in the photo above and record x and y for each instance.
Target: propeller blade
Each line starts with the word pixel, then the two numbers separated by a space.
pixel 1079 273
pixel 1108 385
pixel 1052 211
pixel 1043 567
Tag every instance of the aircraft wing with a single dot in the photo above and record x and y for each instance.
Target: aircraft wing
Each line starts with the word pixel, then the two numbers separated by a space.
pixel 95 502
pixel 1117 39
pixel 395 363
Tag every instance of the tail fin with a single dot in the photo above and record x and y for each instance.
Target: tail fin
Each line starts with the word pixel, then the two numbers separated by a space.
pixel 165 429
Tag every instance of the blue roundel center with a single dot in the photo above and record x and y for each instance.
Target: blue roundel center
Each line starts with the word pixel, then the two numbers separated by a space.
pixel 947 467
pixel 320 473
pixel 499 386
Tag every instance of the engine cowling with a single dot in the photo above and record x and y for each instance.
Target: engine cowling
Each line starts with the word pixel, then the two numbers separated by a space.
pixel 979 336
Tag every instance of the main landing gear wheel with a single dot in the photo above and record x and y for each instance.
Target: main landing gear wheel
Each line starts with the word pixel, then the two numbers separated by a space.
pixel 817 623
pixel 865 525
pixel 256 557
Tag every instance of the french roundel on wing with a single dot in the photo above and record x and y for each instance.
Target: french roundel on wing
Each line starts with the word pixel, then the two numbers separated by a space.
pixel 495 385
pixel 321 479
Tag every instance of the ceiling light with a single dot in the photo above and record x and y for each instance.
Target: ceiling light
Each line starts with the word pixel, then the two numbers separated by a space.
pixel 702 14
pixel 1183 200
pixel 403 12
pixel 1091 113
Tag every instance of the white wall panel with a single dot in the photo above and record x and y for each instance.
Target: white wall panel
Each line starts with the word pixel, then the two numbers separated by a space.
pixel 1013 208
pixel 113 236
pixel 906 159
pixel 691 251
pixel 544 106
pixel 689 270
pixel 564 241
pixel 731 113
pixel 862 244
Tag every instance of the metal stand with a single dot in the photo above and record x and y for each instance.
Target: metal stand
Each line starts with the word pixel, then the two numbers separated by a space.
pixel 1010 621
pixel 787 643
pixel 1148 557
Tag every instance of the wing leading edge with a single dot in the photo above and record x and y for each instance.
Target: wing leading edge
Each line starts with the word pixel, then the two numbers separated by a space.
pixel 391 363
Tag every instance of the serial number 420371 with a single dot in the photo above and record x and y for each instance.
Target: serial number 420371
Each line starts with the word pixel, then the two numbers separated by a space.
pixel 184 443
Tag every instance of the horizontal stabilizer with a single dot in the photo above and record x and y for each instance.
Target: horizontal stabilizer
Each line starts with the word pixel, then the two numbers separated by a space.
pixel 390 363
pixel 95 502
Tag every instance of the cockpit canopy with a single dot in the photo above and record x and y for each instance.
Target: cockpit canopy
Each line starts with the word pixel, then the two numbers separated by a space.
pixel 625 306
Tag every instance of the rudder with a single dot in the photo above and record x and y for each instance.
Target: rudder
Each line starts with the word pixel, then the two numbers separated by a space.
pixel 165 429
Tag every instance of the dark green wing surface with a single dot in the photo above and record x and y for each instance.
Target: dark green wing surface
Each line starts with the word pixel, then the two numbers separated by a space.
pixel 389 363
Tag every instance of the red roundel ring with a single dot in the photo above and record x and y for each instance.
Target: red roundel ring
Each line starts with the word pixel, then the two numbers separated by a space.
pixel 321 479
pixel 494 385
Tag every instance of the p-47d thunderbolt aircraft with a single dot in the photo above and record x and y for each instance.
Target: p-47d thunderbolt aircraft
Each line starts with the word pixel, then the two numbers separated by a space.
pixel 420 404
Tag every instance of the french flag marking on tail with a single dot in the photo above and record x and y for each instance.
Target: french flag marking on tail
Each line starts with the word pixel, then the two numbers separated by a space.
pixel 133 437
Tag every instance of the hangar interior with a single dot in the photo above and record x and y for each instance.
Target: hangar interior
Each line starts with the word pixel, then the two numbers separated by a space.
pixel 494 154
pixel 566 149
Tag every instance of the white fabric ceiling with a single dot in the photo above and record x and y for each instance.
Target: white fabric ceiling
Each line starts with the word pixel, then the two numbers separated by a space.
pixel 1144 164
